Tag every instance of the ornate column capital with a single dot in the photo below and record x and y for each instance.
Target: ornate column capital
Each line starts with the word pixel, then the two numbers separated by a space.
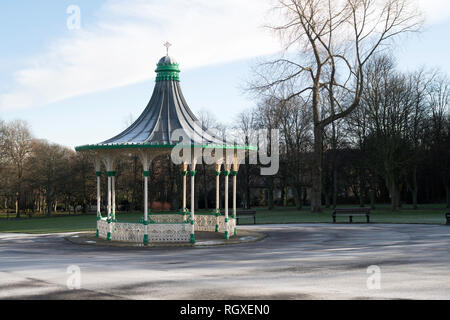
pixel 111 173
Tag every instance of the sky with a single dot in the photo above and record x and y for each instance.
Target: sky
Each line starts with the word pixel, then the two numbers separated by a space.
pixel 76 86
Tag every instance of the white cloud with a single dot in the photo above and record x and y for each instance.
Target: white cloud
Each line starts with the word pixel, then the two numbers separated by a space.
pixel 123 46
pixel 435 11
pixel 126 42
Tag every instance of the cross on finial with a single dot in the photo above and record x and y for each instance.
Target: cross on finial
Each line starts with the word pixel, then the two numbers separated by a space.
pixel 167 45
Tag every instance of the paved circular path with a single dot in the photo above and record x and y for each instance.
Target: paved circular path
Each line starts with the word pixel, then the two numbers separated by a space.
pixel 201 239
pixel 309 261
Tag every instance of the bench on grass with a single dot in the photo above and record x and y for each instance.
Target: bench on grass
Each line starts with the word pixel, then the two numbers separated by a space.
pixel 351 212
pixel 245 214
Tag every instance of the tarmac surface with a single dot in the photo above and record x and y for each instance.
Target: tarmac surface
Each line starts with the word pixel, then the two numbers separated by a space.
pixel 299 261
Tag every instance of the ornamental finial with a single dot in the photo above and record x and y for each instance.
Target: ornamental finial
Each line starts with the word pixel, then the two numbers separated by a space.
pixel 167 45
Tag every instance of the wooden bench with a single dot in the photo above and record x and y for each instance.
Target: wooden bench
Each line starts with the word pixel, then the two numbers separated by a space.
pixel 243 214
pixel 447 216
pixel 351 212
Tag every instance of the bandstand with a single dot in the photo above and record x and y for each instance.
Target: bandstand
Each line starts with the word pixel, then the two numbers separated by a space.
pixel 166 125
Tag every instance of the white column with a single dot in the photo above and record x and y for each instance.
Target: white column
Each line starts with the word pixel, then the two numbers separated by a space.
pixel 146 174
pixel 193 205
pixel 146 159
pixel 113 183
pixel 217 196
pixel 234 194
pixel 98 173
pixel 109 164
pixel 193 173
pixel 227 173
pixel 146 198
pixel 98 195
pixel 99 213
pixel 234 199
pixel 185 172
pixel 108 237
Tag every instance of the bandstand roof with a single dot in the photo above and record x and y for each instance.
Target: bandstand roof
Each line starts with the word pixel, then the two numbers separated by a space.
pixel 167 111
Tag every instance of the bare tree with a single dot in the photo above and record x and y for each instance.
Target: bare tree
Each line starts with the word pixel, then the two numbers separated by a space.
pixel 3 158
pixel 389 108
pixel 335 40
pixel 3 167
pixel 16 148
pixel 245 134
pixel 49 165
pixel 418 86
pixel 208 121
pixel 438 129
pixel 267 118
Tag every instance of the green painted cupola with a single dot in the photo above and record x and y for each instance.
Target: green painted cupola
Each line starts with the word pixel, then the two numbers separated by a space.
pixel 167 69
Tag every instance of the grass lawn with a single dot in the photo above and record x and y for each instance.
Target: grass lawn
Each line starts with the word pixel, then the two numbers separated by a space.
pixel 426 214
pixel 432 214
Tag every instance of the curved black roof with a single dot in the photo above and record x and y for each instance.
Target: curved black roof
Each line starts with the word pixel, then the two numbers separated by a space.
pixel 166 112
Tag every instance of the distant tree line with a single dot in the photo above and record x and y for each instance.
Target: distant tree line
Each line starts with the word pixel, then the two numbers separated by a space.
pixel 350 122
pixel 40 177
pixel 353 128
pixel 395 147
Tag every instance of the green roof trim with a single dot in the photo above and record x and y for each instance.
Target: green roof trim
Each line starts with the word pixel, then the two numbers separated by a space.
pixel 168 72
pixel 161 146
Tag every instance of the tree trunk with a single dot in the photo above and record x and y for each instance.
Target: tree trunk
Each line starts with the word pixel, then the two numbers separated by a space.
pixel 395 196
pixel 334 164
pixel 284 196
pixel 298 197
pixel 6 208
pixel 372 199
pixel 134 202
pixel 270 194
pixel 327 199
pixel 413 187
pixel 372 193
pixel 316 190
pixel 174 174
pixel 49 205
pixel 414 198
pixel 335 184
pixel 18 197
pixel 17 208
pixel 85 193
pixel 196 187
pixel 247 186
pixel 151 184
pixel 205 187
pixel 361 189
pixel 447 191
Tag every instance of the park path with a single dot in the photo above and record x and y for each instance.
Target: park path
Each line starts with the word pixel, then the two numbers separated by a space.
pixel 299 261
